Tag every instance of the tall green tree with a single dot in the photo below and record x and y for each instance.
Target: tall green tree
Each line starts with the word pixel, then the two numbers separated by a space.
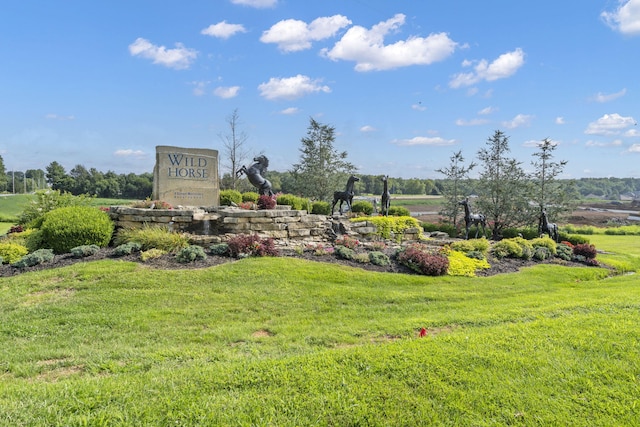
pixel 453 188
pixel 57 177
pixel 322 169
pixel 549 192
pixel 503 188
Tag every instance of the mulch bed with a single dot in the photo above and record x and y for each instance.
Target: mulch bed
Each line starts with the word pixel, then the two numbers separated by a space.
pixel 169 262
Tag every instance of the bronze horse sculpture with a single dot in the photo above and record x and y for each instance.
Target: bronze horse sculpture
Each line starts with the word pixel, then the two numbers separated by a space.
pixel 386 197
pixel 546 227
pixel 255 174
pixel 472 219
pixel 345 196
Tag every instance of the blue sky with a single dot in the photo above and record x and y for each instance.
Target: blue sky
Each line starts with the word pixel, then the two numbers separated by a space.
pixel 406 83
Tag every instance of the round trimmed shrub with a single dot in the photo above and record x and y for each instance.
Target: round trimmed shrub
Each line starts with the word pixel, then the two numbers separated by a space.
pixel 65 228
pixel 190 254
pixel 12 252
pixel 230 197
pixel 399 211
pixel 250 196
pixel 321 208
pixel 362 206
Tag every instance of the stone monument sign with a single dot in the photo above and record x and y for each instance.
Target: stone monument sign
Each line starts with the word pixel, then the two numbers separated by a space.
pixel 186 176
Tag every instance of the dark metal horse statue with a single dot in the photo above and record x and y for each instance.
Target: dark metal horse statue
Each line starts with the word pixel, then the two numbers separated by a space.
pixel 475 219
pixel 386 196
pixel 345 196
pixel 546 227
pixel 255 174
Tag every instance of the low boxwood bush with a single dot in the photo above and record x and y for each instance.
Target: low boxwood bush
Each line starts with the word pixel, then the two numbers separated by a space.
pixel 472 245
pixel 219 249
pixel 84 251
pixel 442 227
pixel 250 196
pixel 386 226
pixel 127 248
pixel 526 232
pixel 230 197
pixel 321 208
pixel 574 239
pixel 35 258
pixel 362 206
pixel 399 211
pixel 423 260
pixel 541 253
pixel 12 252
pixel 379 258
pixel 564 251
pixel 190 254
pixel 344 252
pixel 68 227
pixel 152 237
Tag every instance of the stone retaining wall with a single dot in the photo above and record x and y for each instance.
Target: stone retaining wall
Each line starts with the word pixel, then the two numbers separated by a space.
pixel 218 224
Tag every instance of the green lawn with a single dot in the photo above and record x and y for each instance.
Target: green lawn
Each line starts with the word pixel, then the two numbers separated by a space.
pixel 287 342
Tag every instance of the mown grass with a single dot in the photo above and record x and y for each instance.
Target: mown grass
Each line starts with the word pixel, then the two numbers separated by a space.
pixel 279 341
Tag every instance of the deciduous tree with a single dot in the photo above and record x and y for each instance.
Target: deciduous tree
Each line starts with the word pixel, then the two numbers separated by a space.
pixel 453 188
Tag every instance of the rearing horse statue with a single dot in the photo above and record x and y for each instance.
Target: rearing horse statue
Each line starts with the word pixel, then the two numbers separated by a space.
pixel 546 227
pixel 346 195
pixel 255 174
pixel 386 197
pixel 469 219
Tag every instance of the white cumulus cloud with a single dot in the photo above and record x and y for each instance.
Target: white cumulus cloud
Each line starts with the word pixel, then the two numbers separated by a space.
pixel 367 129
pixel 179 58
pixel 293 35
pixel 625 19
pixel 502 67
pixel 223 30
pixel 367 49
pixel 602 97
pixel 635 148
pixel 609 124
pixel 518 121
pixel 129 153
pixel 291 87
pixel 424 140
pixel 226 92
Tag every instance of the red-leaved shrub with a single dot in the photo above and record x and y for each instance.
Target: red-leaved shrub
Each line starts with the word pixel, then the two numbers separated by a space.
pixel 586 250
pixel 251 245
pixel 420 259
pixel 266 202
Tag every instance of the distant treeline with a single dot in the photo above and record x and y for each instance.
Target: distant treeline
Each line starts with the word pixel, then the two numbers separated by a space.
pixel 80 180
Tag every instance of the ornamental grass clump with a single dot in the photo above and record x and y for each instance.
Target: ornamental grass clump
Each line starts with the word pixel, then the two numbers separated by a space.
pixel 152 237
pixel 424 260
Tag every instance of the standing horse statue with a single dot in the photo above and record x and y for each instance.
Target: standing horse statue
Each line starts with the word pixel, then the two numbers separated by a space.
pixel 255 174
pixel 546 227
pixel 386 197
pixel 472 219
pixel 345 196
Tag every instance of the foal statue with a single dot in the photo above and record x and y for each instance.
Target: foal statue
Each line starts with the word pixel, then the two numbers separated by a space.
pixel 471 218
pixel 546 227
pixel 345 196
pixel 386 197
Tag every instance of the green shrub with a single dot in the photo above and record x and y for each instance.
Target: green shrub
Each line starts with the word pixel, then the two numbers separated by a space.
pixel 516 247
pixel 127 248
pixel 250 196
pixel 68 227
pixel 423 260
pixel 399 211
pixel 461 264
pixel 541 253
pixel 585 229
pixel 190 254
pixel 34 240
pixel 152 237
pixel 362 258
pixel 386 226
pixel 442 227
pixel 219 249
pixel 230 197
pixel 574 239
pixel 46 201
pixel 152 254
pixel 84 251
pixel 472 245
pixel 321 208
pixel 546 242
pixel 586 250
pixel 344 252
pixel 526 232
pixel 12 252
pixel 379 258
pixel 296 203
pixel 564 251
pixel 362 206
pixel 347 241
pixel 35 258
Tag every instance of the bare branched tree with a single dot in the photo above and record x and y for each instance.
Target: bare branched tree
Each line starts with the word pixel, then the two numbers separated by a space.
pixel 234 147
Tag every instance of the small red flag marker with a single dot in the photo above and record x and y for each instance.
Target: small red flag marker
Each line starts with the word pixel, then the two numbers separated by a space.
pixel 423 333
